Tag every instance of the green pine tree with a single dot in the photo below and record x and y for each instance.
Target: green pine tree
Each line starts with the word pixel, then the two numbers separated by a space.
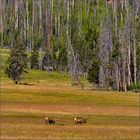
pixel 17 61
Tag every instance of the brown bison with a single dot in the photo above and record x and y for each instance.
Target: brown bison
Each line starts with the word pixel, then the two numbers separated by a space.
pixel 49 120
pixel 79 120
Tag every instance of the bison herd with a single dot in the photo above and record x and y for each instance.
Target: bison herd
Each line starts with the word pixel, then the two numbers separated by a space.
pixel 77 120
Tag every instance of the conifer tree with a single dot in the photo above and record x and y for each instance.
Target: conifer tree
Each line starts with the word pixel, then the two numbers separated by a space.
pixel 17 61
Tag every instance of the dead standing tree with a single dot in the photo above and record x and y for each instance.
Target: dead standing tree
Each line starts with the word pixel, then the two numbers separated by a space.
pixel 72 56
pixel 2 21
pixel 105 51
pixel 49 25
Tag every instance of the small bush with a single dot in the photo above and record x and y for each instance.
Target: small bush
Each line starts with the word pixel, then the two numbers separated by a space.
pixel 134 86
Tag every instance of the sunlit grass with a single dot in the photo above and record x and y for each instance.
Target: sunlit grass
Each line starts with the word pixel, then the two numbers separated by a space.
pixel 111 115
pixel 67 119
pixel 59 96
pixel 34 127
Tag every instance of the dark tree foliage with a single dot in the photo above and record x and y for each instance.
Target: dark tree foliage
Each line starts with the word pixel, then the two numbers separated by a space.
pixel 48 62
pixel 17 62
pixel 62 59
pixel 35 53
pixel 93 71
pixel 34 59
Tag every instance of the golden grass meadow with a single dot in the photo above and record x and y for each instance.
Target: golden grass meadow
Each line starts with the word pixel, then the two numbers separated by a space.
pixel 110 115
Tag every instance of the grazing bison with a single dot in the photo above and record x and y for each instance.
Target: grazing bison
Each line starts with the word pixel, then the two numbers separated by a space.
pixel 79 120
pixel 49 120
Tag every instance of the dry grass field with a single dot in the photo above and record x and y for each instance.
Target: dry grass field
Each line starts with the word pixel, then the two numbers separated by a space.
pixel 110 115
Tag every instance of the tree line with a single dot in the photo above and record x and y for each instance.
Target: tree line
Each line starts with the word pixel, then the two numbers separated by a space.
pixel 99 39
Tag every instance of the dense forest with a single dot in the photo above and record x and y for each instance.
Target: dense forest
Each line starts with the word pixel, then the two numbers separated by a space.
pixel 99 39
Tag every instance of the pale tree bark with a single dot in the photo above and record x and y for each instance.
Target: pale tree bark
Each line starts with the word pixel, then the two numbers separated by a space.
pixel 12 21
pixel 128 64
pixel 128 28
pixel 72 57
pixel 105 47
pixel 27 24
pixel 134 62
pixel 86 1
pixel 40 17
pixel 1 22
pixel 136 5
pixel 124 66
pixel 80 18
pixel 33 24
pixel 24 20
pixel 73 3
pixel 51 13
pixel 48 34
pixel 115 7
pixel 117 76
pixel 59 8
pixel 16 13
pixel 45 24
pixel 105 44
pixel 49 25
pixel 67 30
pixel 40 33
pixel 122 8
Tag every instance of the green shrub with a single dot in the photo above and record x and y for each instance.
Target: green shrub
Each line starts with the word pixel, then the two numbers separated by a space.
pixel 134 86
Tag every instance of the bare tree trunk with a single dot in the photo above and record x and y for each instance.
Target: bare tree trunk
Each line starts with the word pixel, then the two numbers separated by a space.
pixel 128 64
pixel 134 62
pixel 51 12
pixel 40 17
pixel 40 33
pixel 27 23
pixel 73 3
pixel 1 22
pixel 72 57
pixel 122 8
pixel 49 25
pixel 128 26
pixel 123 61
pixel 16 13
pixel 80 18
pixel 136 5
pixel 67 31
pixel 33 24
pixel 117 76
pixel 45 24
pixel 59 4
pixel 24 20
pixel 115 15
